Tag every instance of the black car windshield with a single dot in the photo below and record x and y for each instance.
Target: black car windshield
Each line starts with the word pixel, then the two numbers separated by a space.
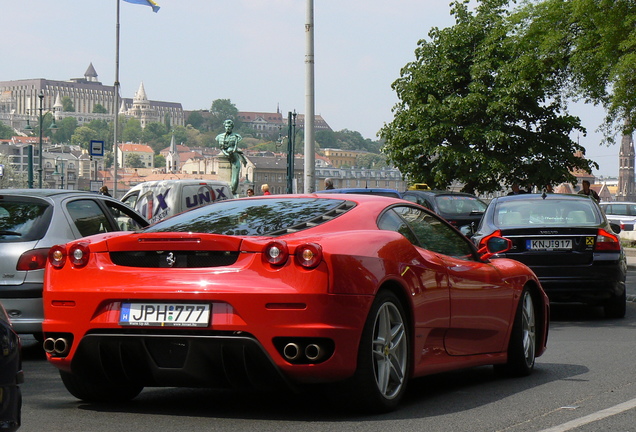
pixel 453 205
pixel 23 221
pixel 562 212
pixel 255 217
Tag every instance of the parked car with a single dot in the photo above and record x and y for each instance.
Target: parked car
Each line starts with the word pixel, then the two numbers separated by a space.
pixel 365 191
pixel 33 220
pixel 463 210
pixel 11 375
pixel 621 213
pixel 366 291
pixel 160 199
pixel 567 241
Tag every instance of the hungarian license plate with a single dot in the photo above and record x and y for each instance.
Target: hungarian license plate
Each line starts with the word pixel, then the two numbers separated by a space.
pixel 549 244
pixel 165 314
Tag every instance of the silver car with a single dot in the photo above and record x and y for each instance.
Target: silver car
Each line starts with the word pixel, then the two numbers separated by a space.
pixel 34 220
pixel 621 213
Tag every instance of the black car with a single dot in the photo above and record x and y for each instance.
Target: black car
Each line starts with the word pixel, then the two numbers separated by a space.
pixel 364 191
pixel 567 241
pixel 458 208
pixel 11 375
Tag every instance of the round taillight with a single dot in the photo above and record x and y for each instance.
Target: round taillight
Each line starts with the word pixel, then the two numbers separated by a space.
pixel 276 253
pixel 57 256
pixel 309 255
pixel 78 254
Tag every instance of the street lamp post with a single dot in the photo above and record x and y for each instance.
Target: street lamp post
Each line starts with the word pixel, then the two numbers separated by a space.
pixel 61 172
pixel 53 127
pixel 41 96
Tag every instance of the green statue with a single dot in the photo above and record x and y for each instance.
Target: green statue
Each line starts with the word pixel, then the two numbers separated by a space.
pixel 228 142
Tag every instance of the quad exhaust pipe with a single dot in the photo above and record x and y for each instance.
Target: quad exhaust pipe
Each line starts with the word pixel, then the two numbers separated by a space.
pixel 59 346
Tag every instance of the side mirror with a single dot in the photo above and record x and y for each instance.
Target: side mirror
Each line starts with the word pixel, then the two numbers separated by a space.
pixel 495 245
pixel 615 227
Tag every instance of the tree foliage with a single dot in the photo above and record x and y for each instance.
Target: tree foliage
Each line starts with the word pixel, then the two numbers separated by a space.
pixel 597 41
pixel 99 109
pixel 480 106
pixel 6 132
pixel 221 110
pixel 67 104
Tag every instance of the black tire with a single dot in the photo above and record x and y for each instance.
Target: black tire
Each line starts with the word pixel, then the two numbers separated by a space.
pixel 384 357
pixel 616 307
pixel 97 390
pixel 523 339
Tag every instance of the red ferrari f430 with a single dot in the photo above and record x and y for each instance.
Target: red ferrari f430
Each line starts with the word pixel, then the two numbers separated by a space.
pixel 365 292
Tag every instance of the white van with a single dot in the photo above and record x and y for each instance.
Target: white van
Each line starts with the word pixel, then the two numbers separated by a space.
pixel 157 200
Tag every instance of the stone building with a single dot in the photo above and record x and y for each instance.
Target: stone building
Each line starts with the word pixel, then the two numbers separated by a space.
pixel 20 102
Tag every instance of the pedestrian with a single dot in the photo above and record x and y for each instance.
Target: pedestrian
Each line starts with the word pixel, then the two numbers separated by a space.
pixel 250 192
pixel 265 189
pixel 516 190
pixel 328 184
pixel 104 191
pixel 589 192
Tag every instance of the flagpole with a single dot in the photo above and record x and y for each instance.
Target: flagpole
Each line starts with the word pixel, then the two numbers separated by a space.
pixel 310 155
pixel 116 99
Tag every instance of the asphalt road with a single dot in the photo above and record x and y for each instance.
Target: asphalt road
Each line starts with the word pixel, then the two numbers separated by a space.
pixel 584 382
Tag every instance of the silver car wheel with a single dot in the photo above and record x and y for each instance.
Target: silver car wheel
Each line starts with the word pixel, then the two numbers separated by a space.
pixel 528 328
pixel 390 350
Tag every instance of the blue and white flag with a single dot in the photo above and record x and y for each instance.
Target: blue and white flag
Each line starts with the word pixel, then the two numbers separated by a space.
pixel 151 3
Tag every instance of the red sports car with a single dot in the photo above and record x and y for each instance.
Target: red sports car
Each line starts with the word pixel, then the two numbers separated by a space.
pixel 364 291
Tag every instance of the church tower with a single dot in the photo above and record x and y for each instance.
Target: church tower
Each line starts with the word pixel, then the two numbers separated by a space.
pixel 142 109
pixel 626 181
pixel 172 159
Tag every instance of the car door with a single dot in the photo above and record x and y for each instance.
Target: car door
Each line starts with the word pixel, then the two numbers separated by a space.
pixel 480 300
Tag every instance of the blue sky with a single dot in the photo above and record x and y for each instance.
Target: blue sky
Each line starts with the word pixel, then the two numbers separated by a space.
pixel 249 51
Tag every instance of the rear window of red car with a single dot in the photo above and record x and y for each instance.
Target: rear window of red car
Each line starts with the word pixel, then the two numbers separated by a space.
pixel 255 217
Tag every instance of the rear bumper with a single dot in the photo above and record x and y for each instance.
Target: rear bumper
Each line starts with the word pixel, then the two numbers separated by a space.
pixel 588 284
pixel 26 314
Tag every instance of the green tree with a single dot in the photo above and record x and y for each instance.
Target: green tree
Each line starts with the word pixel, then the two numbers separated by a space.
pixel 66 129
pixel 67 104
pixel 480 107
pixel 83 135
pixel 596 42
pixel 11 178
pixel 133 160
pixel 221 110
pixel 160 161
pixel 196 120
pixel 131 131
pixel 6 132
pixel 371 161
pixel 99 109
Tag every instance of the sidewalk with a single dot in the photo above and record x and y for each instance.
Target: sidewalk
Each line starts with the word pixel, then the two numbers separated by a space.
pixel 631 258
pixel 631 265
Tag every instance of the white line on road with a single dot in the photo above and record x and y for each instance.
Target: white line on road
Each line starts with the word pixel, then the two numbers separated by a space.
pixel 599 415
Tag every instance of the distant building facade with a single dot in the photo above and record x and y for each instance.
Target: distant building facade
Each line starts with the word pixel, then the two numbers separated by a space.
pixel 19 102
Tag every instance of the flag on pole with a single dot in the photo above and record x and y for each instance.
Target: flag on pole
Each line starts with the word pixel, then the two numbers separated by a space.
pixel 153 4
